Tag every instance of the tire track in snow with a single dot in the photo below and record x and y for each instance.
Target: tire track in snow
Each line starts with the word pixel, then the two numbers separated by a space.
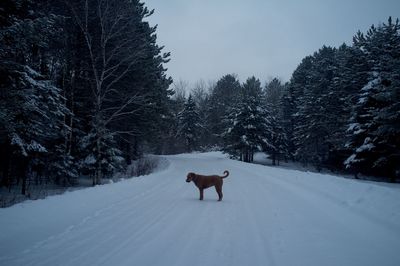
pixel 133 219
pixel 89 233
pixel 330 214
pixel 261 243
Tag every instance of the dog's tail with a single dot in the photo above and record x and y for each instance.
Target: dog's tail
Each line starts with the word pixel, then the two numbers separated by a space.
pixel 226 173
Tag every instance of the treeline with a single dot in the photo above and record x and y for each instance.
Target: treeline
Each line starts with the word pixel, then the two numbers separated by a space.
pixel 239 119
pixel 83 89
pixel 340 110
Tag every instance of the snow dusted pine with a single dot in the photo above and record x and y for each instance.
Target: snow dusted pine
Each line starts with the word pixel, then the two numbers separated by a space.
pixel 189 124
pixel 248 123
pixel 374 125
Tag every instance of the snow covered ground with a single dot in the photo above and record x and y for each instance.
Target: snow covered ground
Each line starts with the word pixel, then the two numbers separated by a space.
pixel 269 216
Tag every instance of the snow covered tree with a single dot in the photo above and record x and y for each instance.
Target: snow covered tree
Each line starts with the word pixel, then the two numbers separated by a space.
pixel 201 96
pixel 95 70
pixel 287 105
pixel 170 141
pixel 291 105
pixel 273 95
pixel 313 126
pixel 375 123
pixel 129 87
pixel 248 125
pixel 350 75
pixel 110 157
pixel 357 83
pixel 189 125
pixel 222 98
pixel 32 115
pixel 32 108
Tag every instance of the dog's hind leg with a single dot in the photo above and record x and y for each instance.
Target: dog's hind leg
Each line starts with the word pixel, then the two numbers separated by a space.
pixel 201 193
pixel 219 191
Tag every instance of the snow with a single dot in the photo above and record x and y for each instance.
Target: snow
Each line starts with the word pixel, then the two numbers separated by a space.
pixel 367 146
pixel 269 216
pixel 16 140
pixel 34 146
pixel 90 159
pixel 353 126
pixel 366 90
pixel 371 84
pixel 351 160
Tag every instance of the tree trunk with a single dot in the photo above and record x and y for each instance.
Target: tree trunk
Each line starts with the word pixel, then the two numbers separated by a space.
pixel 98 170
pixel 23 188
pixel 5 167
pixel 392 177
pixel 23 175
pixel 71 118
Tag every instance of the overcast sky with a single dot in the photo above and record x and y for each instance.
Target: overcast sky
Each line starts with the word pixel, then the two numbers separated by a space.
pixel 266 38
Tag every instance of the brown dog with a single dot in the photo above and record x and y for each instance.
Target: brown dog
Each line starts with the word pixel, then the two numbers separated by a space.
pixel 206 181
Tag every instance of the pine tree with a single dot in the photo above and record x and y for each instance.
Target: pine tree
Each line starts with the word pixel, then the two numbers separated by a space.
pixel 174 143
pixel 98 74
pixel 189 125
pixel 350 75
pixel 273 103
pixel 129 88
pixel 201 96
pixel 292 103
pixel 32 107
pixel 313 126
pixel 247 121
pixel 32 116
pixel 222 98
pixel 375 124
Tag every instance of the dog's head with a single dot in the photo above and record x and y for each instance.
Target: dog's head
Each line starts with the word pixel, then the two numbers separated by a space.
pixel 189 177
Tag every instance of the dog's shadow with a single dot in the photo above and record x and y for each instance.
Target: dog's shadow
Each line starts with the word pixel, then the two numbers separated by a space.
pixel 206 200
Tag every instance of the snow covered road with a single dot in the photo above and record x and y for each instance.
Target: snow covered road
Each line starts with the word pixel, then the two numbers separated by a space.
pixel 269 216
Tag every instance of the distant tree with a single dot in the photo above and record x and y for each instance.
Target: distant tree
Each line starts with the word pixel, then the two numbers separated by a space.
pixel 181 88
pixel 222 98
pixel 287 104
pixel 248 125
pixel 291 105
pixel 190 125
pixel 201 96
pixel 273 94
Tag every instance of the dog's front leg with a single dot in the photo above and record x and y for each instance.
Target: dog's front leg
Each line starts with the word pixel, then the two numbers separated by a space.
pixel 201 193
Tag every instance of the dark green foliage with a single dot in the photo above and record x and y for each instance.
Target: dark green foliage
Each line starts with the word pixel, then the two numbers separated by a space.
pixel 314 125
pixel 189 125
pixel 342 105
pixel 375 122
pixel 83 88
pixel 248 125
pixel 222 98
pixel 274 102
